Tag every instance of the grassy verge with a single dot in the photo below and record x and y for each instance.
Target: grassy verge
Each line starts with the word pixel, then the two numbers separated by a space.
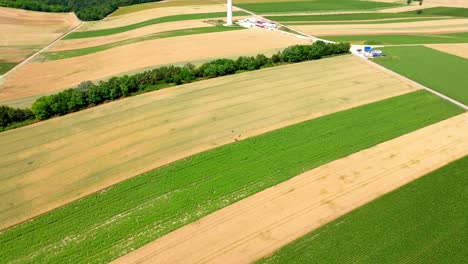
pixel 108 224
pixel 48 56
pixel 112 31
pixel 341 17
pixel 441 11
pixel 437 70
pixel 314 6
pixel 424 221
pixel 403 39
pixel 5 67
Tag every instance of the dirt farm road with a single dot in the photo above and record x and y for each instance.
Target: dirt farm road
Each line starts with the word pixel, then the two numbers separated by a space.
pixel 266 221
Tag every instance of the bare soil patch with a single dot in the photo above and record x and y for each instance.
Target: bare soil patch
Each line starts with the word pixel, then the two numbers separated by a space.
pixel 24 32
pixel 266 221
pixel 43 77
pixel 460 50
pixel 435 26
pixel 49 164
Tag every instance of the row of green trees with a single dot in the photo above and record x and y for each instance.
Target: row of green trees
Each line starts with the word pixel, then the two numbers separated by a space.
pixel 89 94
pixel 9 116
pixel 85 9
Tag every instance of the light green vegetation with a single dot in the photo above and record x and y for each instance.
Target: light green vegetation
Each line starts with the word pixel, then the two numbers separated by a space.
pixel 58 55
pixel 108 224
pixel 390 21
pixel 116 30
pixel 6 66
pixel 441 11
pixel 342 17
pixel 314 6
pixel 424 221
pixel 437 70
pixel 402 39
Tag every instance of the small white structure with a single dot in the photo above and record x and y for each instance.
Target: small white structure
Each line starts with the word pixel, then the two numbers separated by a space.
pixel 229 13
pixel 252 22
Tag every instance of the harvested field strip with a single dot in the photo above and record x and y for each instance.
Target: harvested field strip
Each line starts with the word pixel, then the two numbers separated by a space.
pixel 315 6
pixel 128 215
pixel 49 56
pixel 399 20
pixel 403 39
pixel 424 221
pixel 152 127
pixel 344 17
pixel 124 10
pixel 111 31
pixel 417 63
pixel 460 50
pixel 264 222
pixel 4 67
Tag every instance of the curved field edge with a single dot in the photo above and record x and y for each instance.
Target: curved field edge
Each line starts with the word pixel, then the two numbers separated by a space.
pixel 395 39
pixel 421 222
pixel 58 55
pixel 113 222
pixel 159 20
pixel 315 6
pixel 418 64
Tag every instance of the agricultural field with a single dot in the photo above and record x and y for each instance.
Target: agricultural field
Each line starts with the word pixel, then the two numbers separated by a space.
pixel 417 63
pixel 107 151
pixel 402 39
pixel 22 33
pixel 460 50
pixel 135 212
pixel 50 76
pixel 303 203
pixel 422 222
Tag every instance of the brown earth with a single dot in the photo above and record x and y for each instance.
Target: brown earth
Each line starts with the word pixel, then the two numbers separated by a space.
pixel 434 26
pixel 42 77
pixel 460 49
pixel 23 32
pixel 266 221
pixel 70 44
pixel 49 164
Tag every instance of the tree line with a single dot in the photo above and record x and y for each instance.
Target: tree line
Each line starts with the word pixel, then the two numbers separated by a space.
pixel 88 94
pixel 86 10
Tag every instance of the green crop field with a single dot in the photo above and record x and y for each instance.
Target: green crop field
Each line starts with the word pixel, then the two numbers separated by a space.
pixel 402 39
pixel 112 31
pixel 314 6
pixel 58 55
pixel 424 221
pixel 441 11
pixel 437 70
pixel 126 216
pixel 5 67
pixel 343 17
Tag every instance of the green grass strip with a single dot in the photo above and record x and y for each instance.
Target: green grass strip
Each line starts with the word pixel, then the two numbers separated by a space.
pixel 116 30
pixel 341 17
pixel 5 67
pixel 424 221
pixel 58 55
pixel 441 11
pixel 437 70
pixel 111 223
pixel 314 6
pixel 366 22
pixel 402 39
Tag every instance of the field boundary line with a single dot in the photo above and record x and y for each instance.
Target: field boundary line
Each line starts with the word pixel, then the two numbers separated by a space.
pixel 40 51
pixel 441 95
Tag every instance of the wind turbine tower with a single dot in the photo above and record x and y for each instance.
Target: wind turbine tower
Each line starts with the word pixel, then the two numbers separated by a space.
pixel 229 13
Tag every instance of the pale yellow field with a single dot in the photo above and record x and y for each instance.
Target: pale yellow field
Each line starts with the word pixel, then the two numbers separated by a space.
pixel 23 32
pixel 71 44
pixel 37 78
pixel 266 221
pixel 460 49
pixel 49 164
pixel 144 15
pixel 422 27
